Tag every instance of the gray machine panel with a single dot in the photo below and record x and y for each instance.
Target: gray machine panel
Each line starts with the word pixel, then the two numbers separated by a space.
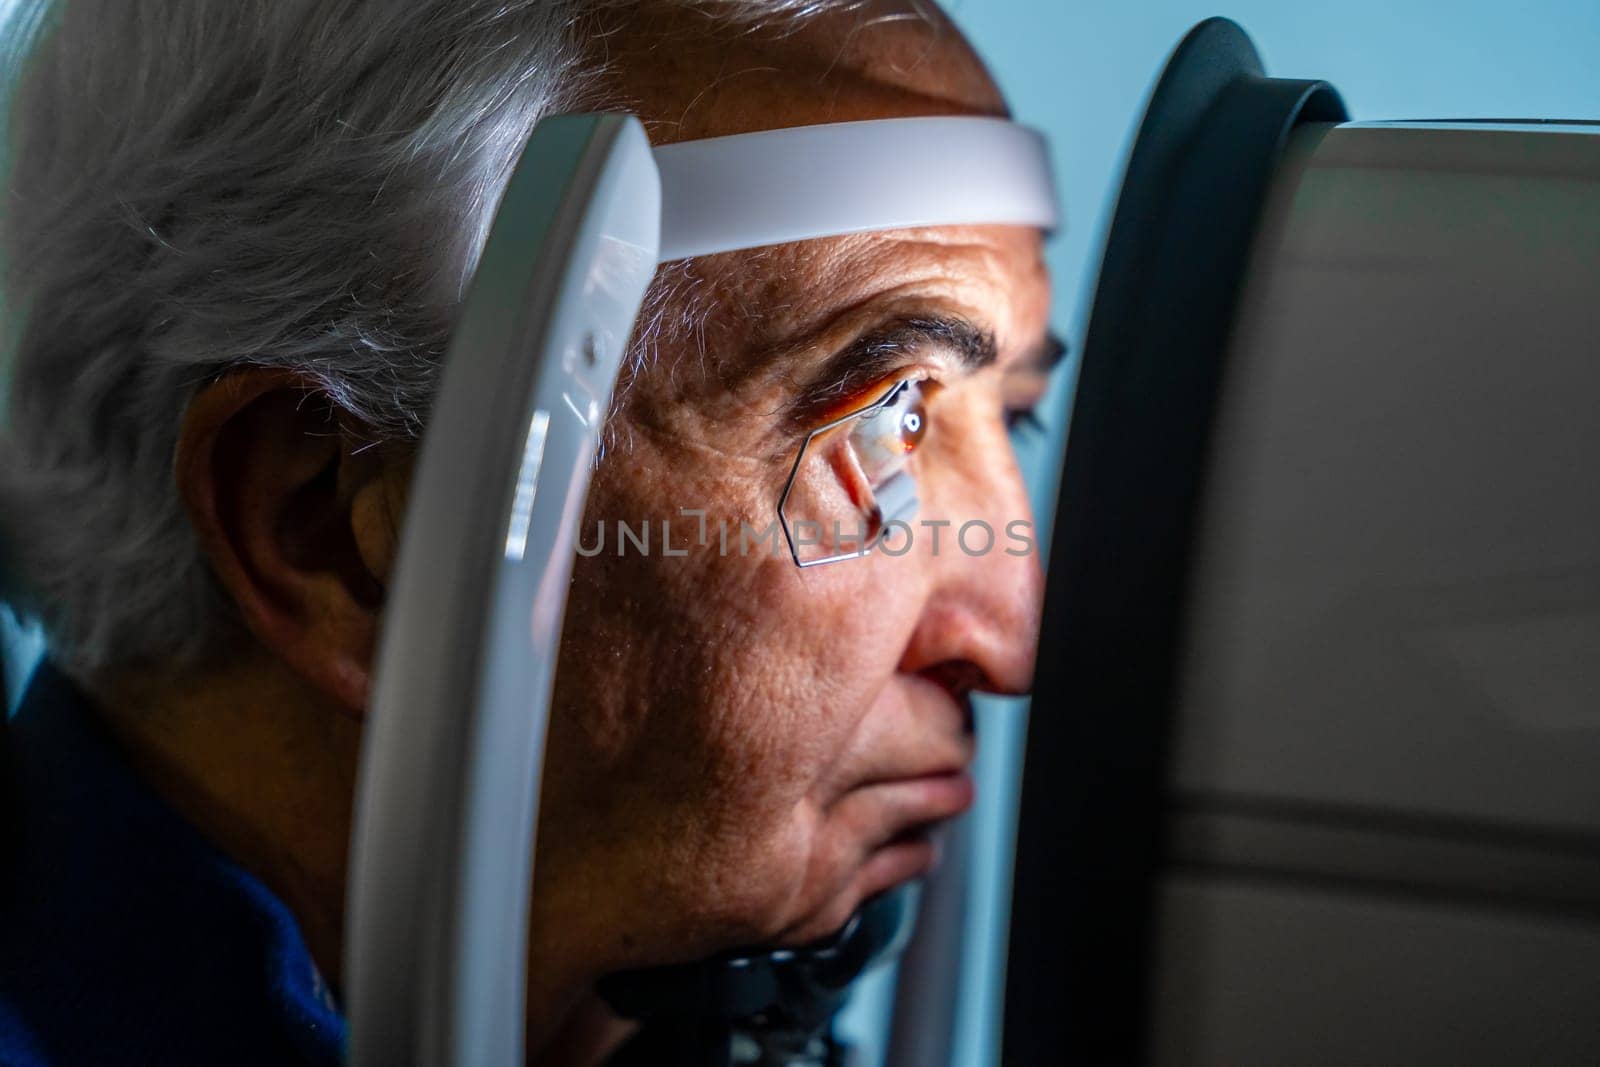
pixel 1263 975
pixel 1386 848
pixel 1397 604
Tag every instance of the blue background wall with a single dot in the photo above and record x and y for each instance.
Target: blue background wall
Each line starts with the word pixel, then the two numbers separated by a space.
pixel 1081 69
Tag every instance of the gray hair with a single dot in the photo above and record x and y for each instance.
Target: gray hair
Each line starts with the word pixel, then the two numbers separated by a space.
pixel 199 185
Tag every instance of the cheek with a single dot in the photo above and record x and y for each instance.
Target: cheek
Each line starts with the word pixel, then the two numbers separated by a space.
pixel 768 674
pixel 738 675
pixel 775 736
pixel 729 650
pixel 816 654
pixel 705 702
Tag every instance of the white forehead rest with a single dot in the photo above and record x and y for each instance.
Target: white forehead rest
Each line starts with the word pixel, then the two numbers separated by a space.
pixel 722 194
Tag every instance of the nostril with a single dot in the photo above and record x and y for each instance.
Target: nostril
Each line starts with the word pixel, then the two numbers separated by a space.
pixel 959 678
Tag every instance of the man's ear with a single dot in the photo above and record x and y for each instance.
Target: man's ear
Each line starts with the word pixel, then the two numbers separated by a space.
pixel 298 520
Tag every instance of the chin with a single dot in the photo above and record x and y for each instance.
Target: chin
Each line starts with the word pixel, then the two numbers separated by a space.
pixel 912 854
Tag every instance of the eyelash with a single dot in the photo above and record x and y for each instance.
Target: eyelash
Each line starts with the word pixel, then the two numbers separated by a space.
pixel 1024 424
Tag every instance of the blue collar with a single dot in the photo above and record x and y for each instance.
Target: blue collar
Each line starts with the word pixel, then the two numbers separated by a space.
pixel 125 936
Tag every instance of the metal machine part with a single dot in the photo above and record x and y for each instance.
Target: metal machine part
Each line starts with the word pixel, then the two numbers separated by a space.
pixel 442 854
pixel 763 1007
pixel 1328 631
pixel 1206 153
pixel 773 186
pixel 1386 742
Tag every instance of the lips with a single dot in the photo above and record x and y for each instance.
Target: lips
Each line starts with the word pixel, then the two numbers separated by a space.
pixel 924 800
pixel 945 794
pixel 913 853
pixel 936 781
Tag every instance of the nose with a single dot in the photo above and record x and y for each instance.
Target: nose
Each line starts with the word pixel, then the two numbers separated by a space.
pixel 979 628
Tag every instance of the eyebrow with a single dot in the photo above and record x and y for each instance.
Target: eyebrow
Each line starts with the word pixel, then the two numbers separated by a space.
pixel 875 353
pixel 973 348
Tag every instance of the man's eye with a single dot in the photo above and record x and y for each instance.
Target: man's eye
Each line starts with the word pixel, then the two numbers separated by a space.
pixel 861 480
pixel 883 439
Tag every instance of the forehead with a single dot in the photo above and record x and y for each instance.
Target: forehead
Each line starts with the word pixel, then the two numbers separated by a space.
pixel 688 76
pixel 994 276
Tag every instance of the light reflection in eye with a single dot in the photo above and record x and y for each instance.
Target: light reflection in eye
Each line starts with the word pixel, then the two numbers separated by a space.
pixel 894 432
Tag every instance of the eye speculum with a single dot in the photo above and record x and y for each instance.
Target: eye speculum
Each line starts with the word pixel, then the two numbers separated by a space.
pixel 843 492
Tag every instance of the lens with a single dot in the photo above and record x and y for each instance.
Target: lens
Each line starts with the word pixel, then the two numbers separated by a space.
pixel 852 478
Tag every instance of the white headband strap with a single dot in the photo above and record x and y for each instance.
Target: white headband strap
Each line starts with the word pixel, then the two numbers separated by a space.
pixel 722 194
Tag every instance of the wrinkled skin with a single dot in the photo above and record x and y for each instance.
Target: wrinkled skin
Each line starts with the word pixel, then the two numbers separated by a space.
pixel 747 747
pixel 740 751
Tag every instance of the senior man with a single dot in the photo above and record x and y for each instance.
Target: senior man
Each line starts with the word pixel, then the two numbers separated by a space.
pixel 236 237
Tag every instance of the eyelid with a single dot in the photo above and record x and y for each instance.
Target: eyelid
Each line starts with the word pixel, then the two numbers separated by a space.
pixel 858 389
pixel 940 345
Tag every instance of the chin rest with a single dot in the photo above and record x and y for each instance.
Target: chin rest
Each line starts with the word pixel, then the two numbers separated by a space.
pixel 761 1005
